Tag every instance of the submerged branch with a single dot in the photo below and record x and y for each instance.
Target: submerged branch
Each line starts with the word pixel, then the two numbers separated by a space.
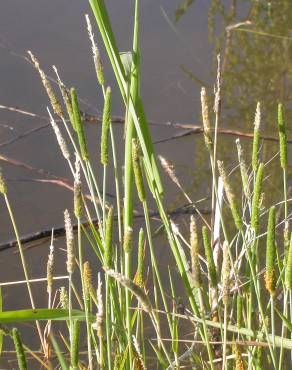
pixel 191 128
pixel 60 231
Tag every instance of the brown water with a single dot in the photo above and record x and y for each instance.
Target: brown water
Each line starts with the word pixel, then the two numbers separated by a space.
pixel 256 67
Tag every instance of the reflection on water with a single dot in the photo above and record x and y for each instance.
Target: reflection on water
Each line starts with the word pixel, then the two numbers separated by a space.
pixel 254 39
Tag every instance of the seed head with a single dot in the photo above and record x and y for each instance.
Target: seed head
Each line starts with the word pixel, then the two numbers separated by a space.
pixel 109 238
pixel 22 364
pixel 51 94
pixel 134 288
pixel 61 141
pixel 138 171
pixel 75 345
pixel 243 169
pixel 78 124
pixel 230 196
pixel 69 242
pixel 226 273
pixel 217 102
pixel 206 120
pixel 3 186
pixel 66 97
pixel 209 257
pixel 139 363
pixel 106 121
pixel 87 276
pixel 239 363
pixel 239 310
pixel 282 137
pixel 95 53
pixel 256 138
pixel 64 301
pixel 255 209
pixel 270 278
pixel 128 240
pixel 169 169
pixel 141 253
pixel 100 313
pixel 196 272
pixel 50 266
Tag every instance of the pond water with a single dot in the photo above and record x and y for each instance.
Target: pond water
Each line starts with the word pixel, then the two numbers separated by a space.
pixel 178 57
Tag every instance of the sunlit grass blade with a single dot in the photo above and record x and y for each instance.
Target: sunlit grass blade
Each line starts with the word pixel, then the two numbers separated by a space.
pixel 40 314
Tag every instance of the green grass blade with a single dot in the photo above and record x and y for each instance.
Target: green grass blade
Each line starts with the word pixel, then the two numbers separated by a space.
pixel 141 124
pixel 40 314
pixel 59 354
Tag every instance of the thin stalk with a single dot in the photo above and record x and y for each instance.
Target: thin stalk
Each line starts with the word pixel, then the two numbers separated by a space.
pixel 273 321
pixel 154 260
pixel 70 308
pixel 103 198
pixel 290 301
pixel 182 270
pixel 115 163
pixel 224 364
pixel 129 176
pixel 24 266
pixel 217 109
pixel 85 172
pixel 285 193
pixel 254 279
pixel 285 312
pixel 81 262
pixel 88 329
pixel 108 321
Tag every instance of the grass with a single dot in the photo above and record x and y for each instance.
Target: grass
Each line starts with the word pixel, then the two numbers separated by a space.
pixel 232 321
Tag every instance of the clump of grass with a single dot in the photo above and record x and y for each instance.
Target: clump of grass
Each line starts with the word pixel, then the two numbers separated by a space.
pixel 222 304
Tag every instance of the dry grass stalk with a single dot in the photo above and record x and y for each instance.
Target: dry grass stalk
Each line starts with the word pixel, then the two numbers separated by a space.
pixel 134 288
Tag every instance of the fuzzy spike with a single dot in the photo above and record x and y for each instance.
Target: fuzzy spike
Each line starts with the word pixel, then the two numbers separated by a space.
pixel 3 186
pixel 51 94
pixel 138 171
pixel 108 238
pixel 22 364
pixel 206 120
pixel 256 138
pixel 106 121
pixel 209 257
pixel 282 137
pixel 255 209
pixel 230 196
pixel 196 272
pixel 69 242
pixel 270 278
pixel 78 124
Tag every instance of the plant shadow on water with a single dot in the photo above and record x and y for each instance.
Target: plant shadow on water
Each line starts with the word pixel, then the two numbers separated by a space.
pixel 253 39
